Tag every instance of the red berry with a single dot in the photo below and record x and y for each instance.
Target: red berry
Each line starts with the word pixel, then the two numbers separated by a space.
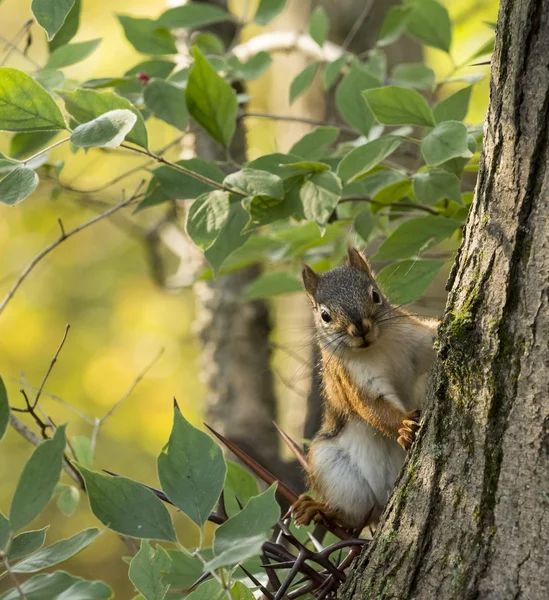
pixel 143 77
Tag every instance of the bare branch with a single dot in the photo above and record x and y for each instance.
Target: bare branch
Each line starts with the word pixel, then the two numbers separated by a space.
pixel 61 239
pixel 12 576
pixel 261 115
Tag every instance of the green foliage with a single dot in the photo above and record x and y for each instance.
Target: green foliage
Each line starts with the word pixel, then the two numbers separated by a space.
pixel 394 105
pixel 191 470
pixel 349 97
pixel 148 36
pixel 26 543
pixel 107 131
pixel 192 15
pixel 318 26
pixel 303 81
pixel 65 56
pixel 268 10
pixel 4 409
pixel 37 481
pixel 242 536
pixel 19 183
pixel 429 22
pixel 406 281
pixel 127 507
pixel 25 105
pixel 60 585
pixel 211 100
pixel 51 14
pixel 167 102
pixel 147 570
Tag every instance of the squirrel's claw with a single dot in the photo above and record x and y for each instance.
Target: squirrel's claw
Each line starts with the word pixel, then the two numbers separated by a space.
pixel 305 510
pixel 410 426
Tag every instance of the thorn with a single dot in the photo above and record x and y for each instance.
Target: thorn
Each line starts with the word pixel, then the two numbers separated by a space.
pixel 264 590
pixel 282 490
pixel 202 578
pixel 156 492
pixel 293 447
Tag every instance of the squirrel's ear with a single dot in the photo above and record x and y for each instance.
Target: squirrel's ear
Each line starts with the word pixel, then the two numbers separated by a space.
pixel 310 281
pixel 355 259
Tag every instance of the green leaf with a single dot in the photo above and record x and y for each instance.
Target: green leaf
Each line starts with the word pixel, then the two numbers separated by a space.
pixel 68 499
pixel 71 54
pixel 455 107
pixel 276 163
pixel 240 486
pixel 17 185
pixel 394 25
pixel 209 590
pixel 211 100
pixel 391 193
pixel 457 165
pixel 60 586
pixel 376 65
pixel 414 75
pixel 206 217
pixel 405 282
pixel 430 23
pixel 253 182
pixel 50 79
pixel 364 158
pixel 309 166
pixel 303 80
pixel 133 89
pixel 192 16
pixel 180 186
pixel 167 102
pixel 51 14
pixel 332 71
pixel 108 130
pixel 86 105
pixel 57 553
pixel 313 145
pixel 184 570
pixel 242 536
pixel 147 36
pixel 416 236
pixel 268 10
pixel 240 592
pixel 394 105
pixel 318 25
pixel 273 284
pixel 147 570
pixel 349 98
pixel 264 210
pixel 81 445
pixel 25 105
pixel 127 507
pixel 252 68
pixel 320 195
pixel 5 533
pixel 365 223
pixel 25 144
pixel 434 185
pixel 38 480
pixel 69 28
pixel 230 238
pixel 26 543
pixel 4 407
pixel 447 140
pixel 191 469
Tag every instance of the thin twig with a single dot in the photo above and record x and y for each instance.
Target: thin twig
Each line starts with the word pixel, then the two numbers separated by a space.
pixel 49 370
pixel 12 576
pixel 61 239
pixel 296 119
pixel 420 207
pixel 357 25
pixel 44 150
pixel 12 45
pixel 116 405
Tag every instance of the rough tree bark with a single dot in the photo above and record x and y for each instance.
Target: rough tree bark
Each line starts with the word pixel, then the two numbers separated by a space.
pixel 468 518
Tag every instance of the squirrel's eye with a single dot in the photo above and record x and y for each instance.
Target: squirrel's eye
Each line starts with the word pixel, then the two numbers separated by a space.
pixel 325 316
pixel 376 297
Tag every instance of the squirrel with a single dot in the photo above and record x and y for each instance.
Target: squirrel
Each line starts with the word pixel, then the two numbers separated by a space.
pixel 375 361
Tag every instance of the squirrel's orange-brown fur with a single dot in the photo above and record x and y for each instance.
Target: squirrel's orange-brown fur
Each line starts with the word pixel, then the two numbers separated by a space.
pixel 374 359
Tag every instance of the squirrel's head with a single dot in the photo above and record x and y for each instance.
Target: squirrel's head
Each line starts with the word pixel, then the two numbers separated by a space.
pixel 348 306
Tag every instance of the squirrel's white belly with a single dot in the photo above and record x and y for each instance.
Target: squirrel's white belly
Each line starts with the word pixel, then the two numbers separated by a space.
pixel 356 470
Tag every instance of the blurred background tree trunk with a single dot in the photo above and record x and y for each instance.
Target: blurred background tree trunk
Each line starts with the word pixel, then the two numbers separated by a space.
pixel 468 517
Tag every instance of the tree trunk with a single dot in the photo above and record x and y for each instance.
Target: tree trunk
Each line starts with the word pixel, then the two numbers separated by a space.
pixel 234 333
pixel 468 518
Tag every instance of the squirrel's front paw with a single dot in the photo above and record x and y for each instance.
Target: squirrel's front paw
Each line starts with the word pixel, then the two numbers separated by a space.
pixel 410 425
pixel 306 509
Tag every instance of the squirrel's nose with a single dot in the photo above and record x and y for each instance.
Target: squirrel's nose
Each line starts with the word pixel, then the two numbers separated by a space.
pixel 360 329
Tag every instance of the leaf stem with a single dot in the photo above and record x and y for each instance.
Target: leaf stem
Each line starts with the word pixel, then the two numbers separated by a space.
pixel 295 119
pixel 44 150
pixel 183 170
pixel 13 577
